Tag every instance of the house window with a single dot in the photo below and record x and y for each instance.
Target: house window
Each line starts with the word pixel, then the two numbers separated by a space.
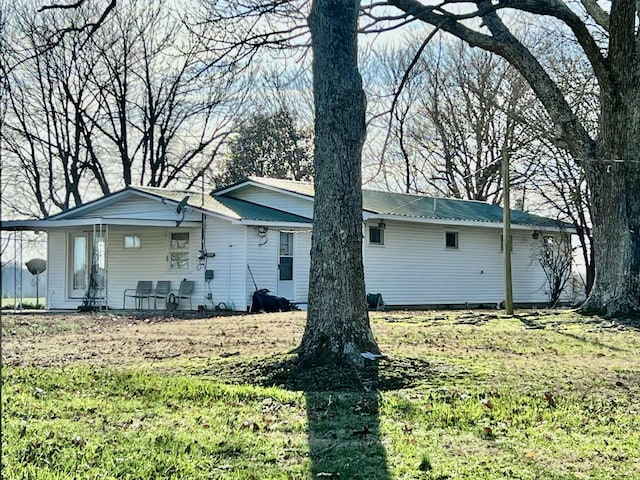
pixel 286 256
pixel 451 240
pixel 548 242
pixel 131 241
pixel 376 236
pixel 79 264
pixel 179 251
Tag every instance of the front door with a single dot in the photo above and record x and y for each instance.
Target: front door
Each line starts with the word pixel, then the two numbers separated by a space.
pixel 87 265
pixel 285 266
pixel 78 265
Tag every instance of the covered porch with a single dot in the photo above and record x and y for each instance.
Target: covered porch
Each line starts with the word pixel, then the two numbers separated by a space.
pixel 91 261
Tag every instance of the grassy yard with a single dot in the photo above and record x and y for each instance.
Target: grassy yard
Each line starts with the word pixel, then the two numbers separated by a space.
pixel 26 301
pixel 461 395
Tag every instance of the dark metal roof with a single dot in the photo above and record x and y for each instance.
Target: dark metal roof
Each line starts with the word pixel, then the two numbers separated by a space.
pixel 375 202
pixel 252 211
pixel 424 207
pixel 417 206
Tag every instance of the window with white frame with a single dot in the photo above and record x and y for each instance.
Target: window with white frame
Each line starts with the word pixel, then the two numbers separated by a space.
pixel 376 235
pixel 79 264
pixel 451 240
pixel 131 241
pixel 179 251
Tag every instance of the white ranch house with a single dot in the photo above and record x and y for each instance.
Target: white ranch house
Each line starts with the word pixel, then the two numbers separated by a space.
pixel 417 250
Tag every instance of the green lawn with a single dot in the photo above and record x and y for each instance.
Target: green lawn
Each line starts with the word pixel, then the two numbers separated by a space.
pixel 26 301
pixel 460 396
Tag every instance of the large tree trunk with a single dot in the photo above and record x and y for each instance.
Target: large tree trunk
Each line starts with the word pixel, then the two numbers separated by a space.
pixel 616 238
pixel 337 327
pixel 614 174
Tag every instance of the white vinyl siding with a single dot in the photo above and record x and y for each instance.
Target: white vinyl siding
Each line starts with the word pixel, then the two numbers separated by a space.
pixel 279 201
pixel 125 267
pixel 136 207
pixel 263 255
pixel 228 242
pixel 262 258
pixel 413 269
pixel 150 262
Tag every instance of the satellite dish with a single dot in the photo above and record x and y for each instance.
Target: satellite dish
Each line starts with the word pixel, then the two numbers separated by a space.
pixel 36 266
pixel 182 204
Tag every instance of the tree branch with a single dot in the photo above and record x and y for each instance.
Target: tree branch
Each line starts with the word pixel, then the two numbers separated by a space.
pixel 597 13
pixel 502 42
pixel 558 9
pixel 92 26
pixel 78 4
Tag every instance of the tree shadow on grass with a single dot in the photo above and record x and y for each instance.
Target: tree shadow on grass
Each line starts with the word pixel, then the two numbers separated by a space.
pixel 594 343
pixel 343 409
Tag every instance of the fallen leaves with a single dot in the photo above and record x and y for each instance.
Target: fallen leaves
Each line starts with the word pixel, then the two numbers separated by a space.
pixel 551 399
pixel 487 403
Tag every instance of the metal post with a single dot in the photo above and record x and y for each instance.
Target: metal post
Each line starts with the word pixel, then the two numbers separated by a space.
pixel 506 233
pixel 15 270
pixel 20 265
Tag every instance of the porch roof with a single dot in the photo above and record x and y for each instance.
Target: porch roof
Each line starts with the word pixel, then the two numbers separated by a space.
pixel 235 209
pixel 232 209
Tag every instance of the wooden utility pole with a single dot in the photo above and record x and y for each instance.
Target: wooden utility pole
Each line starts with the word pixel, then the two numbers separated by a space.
pixel 506 233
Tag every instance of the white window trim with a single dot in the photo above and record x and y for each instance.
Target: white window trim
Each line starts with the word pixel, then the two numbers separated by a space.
pixel 374 244
pixel 73 293
pixel 457 245
pixel 179 250
pixel 134 247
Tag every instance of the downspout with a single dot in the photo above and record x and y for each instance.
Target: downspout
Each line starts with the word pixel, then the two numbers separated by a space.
pixel 203 226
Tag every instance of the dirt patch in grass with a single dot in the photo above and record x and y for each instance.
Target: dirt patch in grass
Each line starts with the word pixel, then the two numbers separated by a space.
pixel 119 340
pixel 222 347
pixel 429 348
pixel 390 373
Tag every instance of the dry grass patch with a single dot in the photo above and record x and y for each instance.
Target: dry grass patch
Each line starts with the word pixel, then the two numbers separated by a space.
pixel 471 395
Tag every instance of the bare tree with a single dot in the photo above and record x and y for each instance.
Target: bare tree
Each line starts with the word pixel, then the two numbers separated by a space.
pixel 610 159
pixel 556 258
pixel 166 112
pixel 135 103
pixel 44 130
pixel 452 118
pixel 453 113
pixel 560 186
